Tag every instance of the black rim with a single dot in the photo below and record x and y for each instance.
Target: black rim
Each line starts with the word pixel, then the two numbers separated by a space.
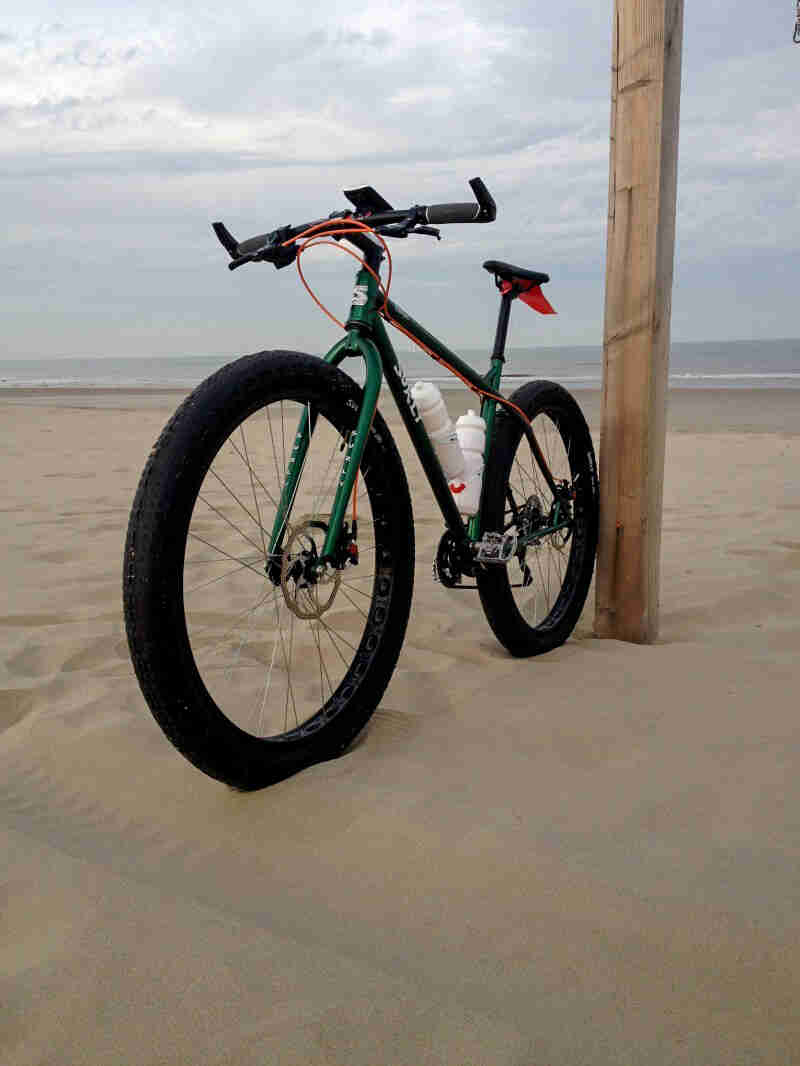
pixel 266 669
pixel 542 578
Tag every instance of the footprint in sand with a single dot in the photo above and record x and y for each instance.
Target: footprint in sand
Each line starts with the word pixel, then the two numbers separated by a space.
pixel 107 527
pixel 388 728
pixel 395 724
pixel 14 705
pixel 56 556
pixel 72 476
pixel 101 651
pixel 68 656
pixel 30 620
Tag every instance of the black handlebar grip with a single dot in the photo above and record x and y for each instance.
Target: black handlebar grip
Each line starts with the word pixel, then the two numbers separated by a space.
pixel 485 199
pixel 439 214
pixel 254 244
pixel 484 210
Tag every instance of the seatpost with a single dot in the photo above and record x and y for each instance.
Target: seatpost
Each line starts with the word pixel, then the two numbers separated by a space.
pixel 502 326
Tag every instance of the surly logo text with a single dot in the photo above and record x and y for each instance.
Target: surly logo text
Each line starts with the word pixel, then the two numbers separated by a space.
pixel 360 295
pixel 409 398
pixel 347 458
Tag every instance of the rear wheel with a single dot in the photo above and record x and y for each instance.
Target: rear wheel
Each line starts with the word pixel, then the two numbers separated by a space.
pixel 533 602
pixel 257 665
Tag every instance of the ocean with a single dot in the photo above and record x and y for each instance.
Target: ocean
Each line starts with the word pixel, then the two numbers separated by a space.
pixel 715 364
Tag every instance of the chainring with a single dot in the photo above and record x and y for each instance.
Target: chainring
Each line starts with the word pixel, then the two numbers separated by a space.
pixel 450 565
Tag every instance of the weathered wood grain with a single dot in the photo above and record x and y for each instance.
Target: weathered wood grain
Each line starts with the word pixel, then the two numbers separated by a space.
pixel 645 99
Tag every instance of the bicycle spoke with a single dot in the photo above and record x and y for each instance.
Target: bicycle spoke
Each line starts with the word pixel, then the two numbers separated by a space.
pixel 278 476
pixel 348 597
pixel 267 684
pixel 322 667
pixel 367 577
pixel 334 635
pixel 253 475
pixel 213 472
pixel 547 557
pixel 289 678
pixel 325 479
pixel 213 580
pixel 222 641
pixel 274 656
pixel 233 525
pixel 227 555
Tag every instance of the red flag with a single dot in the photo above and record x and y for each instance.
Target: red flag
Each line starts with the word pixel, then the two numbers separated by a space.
pixel 532 296
pixel 536 299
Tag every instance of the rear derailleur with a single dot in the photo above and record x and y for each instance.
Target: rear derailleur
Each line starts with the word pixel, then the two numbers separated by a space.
pixel 458 557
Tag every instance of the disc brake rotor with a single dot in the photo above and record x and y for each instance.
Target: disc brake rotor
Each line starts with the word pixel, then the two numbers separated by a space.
pixel 307 592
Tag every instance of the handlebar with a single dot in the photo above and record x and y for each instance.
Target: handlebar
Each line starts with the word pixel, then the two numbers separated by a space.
pixel 484 210
pixel 269 247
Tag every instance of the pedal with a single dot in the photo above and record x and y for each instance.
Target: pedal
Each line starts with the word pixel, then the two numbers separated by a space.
pixel 495 548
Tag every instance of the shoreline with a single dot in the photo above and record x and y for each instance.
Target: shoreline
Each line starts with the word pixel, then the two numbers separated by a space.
pixel 689 410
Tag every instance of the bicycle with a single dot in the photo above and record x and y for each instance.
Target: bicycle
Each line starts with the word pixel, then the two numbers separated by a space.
pixel 269 560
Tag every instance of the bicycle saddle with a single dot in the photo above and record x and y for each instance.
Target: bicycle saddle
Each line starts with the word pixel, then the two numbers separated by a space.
pixel 507 272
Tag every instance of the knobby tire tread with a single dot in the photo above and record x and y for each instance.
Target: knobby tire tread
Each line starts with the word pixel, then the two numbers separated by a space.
pixel 160 516
pixel 494 585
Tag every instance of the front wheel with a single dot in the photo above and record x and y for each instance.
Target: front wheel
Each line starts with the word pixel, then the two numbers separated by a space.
pixel 533 602
pixel 256 663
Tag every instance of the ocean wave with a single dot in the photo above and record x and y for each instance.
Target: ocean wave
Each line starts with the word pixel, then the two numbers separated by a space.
pixel 699 375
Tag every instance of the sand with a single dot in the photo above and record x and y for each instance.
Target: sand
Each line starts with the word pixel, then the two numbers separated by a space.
pixel 588 858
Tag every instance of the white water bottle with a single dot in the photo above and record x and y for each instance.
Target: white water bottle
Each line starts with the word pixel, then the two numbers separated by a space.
pixel 440 429
pixel 471 433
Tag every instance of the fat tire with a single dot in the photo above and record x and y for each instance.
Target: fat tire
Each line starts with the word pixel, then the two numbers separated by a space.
pixel 494 583
pixel 153 573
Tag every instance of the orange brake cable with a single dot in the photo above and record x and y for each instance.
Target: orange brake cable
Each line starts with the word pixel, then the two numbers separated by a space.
pixel 312 238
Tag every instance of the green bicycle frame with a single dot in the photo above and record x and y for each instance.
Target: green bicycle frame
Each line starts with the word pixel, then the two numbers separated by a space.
pixel 367 338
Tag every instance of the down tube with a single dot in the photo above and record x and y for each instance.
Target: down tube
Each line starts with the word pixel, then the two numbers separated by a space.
pixel 419 437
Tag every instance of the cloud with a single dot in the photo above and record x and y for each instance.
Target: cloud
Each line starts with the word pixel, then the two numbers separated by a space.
pixel 421 81
pixel 126 129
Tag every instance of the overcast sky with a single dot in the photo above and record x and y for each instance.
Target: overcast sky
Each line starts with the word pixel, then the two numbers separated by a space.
pixel 128 128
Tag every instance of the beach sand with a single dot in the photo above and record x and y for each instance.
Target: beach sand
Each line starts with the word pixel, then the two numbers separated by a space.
pixel 588 858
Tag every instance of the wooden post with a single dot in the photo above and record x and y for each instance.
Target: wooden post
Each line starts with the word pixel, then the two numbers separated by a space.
pixel 645 99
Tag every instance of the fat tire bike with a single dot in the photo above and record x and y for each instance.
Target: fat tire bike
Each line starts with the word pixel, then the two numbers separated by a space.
pixel 269 559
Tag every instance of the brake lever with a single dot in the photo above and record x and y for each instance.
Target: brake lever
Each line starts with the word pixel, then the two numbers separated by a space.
pixel 402 229
pixel 393 229
pixel 241 260
pixel 279 257
pixel 428 231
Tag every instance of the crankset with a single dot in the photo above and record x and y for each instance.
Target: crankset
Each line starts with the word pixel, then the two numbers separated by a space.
pixel 452 562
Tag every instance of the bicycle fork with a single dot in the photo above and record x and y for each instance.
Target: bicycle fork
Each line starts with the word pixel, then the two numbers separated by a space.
pixel 352 344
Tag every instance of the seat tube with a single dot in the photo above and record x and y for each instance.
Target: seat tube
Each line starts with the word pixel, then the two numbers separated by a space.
pixel 488 413
pixel 489 406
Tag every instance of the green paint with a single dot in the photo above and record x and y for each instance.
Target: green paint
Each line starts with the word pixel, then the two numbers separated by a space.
pixel 356 445
pixel 368 338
